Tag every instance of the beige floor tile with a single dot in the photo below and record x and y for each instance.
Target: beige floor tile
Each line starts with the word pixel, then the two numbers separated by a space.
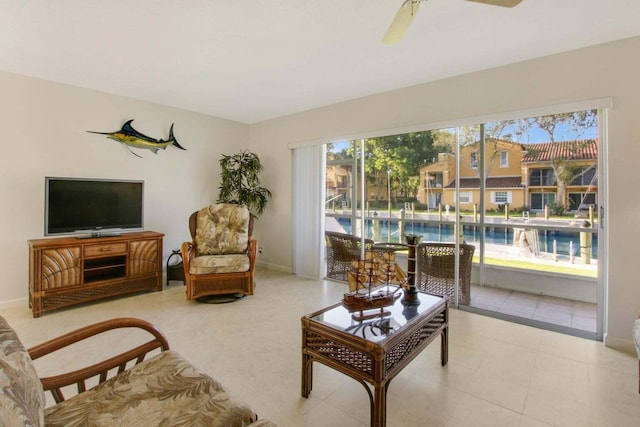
pixel 561 345
pixel 614 390
pixel 520 335
pixel 421 400
pixel 530 422
pixel 509 363
pixel 571 369
pixel 616 360
pixel 615 415
pixel 576 390
pixel 476 412
pixel 499 373
pixel 507 394
pixel 455 375
pixel 557 411
pixel 351 398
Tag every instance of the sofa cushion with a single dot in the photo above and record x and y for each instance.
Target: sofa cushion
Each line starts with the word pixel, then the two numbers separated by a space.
pixel 21 395
pixel 210 264
pixel 636 336
pixel 164 390
pixel 222 229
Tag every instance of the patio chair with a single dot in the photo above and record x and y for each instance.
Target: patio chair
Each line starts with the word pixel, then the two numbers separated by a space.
pixel 221 257
pixel 435 270
pixel 342 250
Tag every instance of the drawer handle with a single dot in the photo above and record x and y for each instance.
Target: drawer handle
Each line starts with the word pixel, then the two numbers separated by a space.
pixel 105 249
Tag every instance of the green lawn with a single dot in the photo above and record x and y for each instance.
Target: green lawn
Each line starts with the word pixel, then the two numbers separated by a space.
pixel 528 265
pixel 556 268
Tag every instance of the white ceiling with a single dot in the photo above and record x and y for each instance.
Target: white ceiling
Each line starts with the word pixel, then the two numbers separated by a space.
pixel 253 60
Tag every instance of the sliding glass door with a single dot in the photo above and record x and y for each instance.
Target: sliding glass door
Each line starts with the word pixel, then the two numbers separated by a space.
pixel 522 193
pixel 539 226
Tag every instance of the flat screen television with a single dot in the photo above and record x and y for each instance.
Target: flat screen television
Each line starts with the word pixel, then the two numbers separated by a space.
pixel 95 206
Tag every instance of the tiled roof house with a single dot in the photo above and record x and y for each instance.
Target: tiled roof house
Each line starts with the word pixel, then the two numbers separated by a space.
pixel 521 175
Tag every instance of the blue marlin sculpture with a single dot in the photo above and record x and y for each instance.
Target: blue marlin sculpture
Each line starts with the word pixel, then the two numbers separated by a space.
pixel 130 137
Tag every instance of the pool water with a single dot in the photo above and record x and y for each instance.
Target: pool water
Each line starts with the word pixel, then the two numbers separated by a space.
pixel 445 233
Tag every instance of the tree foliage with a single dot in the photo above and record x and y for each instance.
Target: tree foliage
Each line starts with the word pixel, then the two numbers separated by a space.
pixel 398 158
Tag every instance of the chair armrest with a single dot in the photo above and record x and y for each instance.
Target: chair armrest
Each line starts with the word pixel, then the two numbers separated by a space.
pixel 252 250
pixel 79 377
pixel 188 252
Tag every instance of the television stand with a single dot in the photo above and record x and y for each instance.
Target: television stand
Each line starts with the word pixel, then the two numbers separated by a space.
pixel 67 271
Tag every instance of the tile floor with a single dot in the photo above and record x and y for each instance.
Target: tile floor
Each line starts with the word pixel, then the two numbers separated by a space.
pixel 499 373
pixel 557 311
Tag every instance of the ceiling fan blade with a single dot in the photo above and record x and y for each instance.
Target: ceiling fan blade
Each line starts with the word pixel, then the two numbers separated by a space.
pixel 503 3
pixel 401 22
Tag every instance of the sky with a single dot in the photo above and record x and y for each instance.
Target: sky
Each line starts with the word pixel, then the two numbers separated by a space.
pixel 561 134
pixel 534 135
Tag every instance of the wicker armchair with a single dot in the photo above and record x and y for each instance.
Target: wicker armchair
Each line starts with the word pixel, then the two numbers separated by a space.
pixel 220 260
pixel 342 249
pixel 435 265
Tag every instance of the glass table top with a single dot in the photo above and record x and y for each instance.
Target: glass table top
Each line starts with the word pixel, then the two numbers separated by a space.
pixel 377 328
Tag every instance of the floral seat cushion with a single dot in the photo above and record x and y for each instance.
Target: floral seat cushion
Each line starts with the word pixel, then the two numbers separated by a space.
pixel 211 264
pixel 222 229
pixel 166 387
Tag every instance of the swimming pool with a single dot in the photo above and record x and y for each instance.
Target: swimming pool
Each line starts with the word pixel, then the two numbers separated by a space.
pixel 498 236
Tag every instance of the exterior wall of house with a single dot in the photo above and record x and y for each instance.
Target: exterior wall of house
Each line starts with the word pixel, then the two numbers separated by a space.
pixel 530 167
pixel 491 159
pixel 520 197
pixel 444 169
pixel 517 202
pixel 446 165
pixel 338 183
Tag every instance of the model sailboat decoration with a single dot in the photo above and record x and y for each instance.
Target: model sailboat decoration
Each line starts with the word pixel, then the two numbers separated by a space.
pixel 374 283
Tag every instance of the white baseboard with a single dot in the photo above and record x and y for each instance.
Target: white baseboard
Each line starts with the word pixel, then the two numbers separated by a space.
pixel 274 267
pixel 14 302
pixel 619 344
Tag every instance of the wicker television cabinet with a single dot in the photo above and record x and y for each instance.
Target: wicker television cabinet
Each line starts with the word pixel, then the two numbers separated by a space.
pixel 70 270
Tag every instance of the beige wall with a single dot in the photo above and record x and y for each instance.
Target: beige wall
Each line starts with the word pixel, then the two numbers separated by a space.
pixel 44 134
pixel 608 70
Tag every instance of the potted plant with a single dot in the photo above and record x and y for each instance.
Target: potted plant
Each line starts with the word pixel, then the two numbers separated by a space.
pixel 240 182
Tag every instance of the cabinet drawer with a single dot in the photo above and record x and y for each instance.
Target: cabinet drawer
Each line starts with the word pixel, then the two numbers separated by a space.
pixel 105 249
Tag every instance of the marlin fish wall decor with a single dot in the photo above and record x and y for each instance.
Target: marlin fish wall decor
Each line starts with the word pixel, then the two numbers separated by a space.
pixel 129 137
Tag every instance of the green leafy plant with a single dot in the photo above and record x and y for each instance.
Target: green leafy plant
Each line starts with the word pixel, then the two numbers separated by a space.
pixel 241 183
pixel 556 208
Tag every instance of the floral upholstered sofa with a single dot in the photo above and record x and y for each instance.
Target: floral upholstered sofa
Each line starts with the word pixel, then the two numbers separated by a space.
pixel 636 341
pixel 163 390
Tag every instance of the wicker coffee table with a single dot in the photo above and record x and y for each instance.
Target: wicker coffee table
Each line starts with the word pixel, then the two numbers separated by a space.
pixel 373 351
